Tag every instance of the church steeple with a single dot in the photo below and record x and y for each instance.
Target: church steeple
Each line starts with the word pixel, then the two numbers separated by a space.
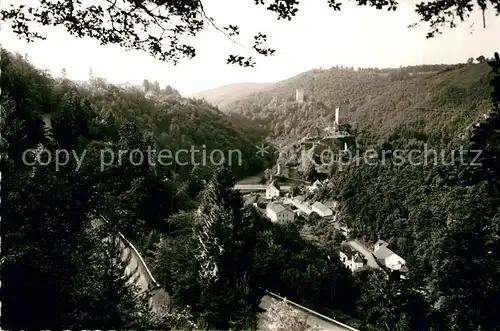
pixel 91 76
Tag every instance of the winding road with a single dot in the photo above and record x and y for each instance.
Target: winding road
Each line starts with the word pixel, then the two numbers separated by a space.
pixel 160 300
pixel 140 275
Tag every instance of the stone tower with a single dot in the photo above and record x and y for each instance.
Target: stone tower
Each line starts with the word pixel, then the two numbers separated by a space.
pixel 333 130
pixel 299 95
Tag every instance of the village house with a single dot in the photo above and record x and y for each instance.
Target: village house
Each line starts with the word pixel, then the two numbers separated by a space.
pixel 278 213
pixel 272 190
pixel 315 186
pixel 302 206
pixel 387 257
pixel 351 259
pixel 321 209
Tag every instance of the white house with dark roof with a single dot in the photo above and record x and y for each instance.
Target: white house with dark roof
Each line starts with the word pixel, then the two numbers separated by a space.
pixel 351 259
pixel 272 190
pixel 321 209
pixel 279 213
pixel 387 257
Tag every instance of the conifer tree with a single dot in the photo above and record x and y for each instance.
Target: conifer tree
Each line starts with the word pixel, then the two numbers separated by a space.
pixel 57 273
pixel 471 231
pixel 225 235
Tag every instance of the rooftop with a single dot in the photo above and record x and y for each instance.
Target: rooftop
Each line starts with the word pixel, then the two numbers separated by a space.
pixel 299 198
pixel 383 252
pixel 348 251
pixel 321 207
pixel 358 259
pixel 273 183
pixel 275 207
pixel 381 243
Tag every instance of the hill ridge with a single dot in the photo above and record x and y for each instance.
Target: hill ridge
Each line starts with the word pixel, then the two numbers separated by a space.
pixel 434 101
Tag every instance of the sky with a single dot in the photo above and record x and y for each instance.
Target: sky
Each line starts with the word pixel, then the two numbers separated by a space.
pixel 317 37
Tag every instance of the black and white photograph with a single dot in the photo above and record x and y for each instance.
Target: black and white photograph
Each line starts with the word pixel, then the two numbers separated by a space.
pixel 250 165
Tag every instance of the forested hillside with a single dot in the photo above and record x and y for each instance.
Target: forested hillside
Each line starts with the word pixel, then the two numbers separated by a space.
pixel 224 95
pixel 438 210
pixel 435 102
pixel 214 255
pixel 60 272
pixel 56 268
pixel 172 121
pixel 416 165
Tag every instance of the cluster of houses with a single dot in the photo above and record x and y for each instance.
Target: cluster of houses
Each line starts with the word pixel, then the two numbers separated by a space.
pixel 286 211
pixel 380 257
pixel 289 208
